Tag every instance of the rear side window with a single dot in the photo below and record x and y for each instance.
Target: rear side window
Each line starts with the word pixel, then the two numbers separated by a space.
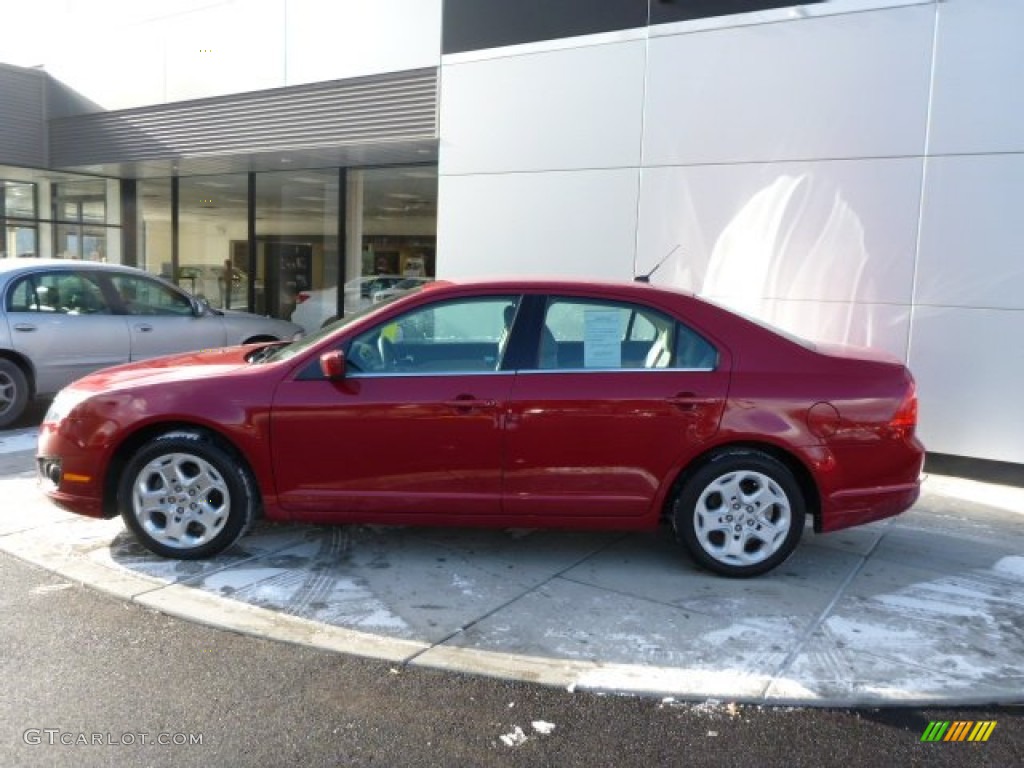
pixel 66 293
pixel 606 335
pixel 142 296
pixel 693 350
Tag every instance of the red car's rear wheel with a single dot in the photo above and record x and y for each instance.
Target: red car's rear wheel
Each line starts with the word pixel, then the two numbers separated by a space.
pixel 741 514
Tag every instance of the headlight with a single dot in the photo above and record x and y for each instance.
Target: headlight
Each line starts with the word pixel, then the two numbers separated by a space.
pixel 297 335
pixel 63 404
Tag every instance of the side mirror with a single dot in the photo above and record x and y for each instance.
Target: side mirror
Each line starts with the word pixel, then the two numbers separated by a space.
pixel 200 306
pixel 332 364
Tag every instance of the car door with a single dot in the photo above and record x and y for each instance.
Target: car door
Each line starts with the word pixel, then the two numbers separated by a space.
pixel 413 428
pixel 619 394
pixel 161 320
pixel 61 321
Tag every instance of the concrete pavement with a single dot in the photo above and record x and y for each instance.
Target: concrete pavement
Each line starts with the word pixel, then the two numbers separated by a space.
pixel 923 609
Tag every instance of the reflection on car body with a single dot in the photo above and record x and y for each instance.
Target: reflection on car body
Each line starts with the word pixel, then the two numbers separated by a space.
pixel 500 403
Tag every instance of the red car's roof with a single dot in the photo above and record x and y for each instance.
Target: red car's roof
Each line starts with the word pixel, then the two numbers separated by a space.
pixel 554 284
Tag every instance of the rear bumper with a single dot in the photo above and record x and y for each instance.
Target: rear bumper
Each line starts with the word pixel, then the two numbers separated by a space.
pixel 848 508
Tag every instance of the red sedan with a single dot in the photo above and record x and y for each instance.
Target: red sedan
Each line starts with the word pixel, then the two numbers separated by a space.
pixel 506 404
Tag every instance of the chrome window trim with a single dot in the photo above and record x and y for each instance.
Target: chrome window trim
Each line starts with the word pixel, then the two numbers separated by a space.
pixel 618 370
pixel 523 372
pixel 422 374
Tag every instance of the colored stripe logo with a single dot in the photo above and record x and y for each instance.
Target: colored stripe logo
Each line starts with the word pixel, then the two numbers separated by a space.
pixel 958 730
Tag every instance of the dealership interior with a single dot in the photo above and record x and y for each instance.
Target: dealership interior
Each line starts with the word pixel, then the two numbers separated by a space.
pixel 273 236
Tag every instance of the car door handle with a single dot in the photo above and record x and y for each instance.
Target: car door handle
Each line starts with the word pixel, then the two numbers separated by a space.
pixel 143 328
pixel 468 403
pixel 689 401
pixel 27 327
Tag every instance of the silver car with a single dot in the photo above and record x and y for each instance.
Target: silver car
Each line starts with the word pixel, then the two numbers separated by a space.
pixel 61 319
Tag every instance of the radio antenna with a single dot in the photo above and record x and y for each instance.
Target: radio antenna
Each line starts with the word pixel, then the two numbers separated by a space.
pixel 647 278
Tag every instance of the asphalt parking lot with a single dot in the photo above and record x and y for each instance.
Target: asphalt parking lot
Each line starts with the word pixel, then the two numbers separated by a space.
pixel 921 609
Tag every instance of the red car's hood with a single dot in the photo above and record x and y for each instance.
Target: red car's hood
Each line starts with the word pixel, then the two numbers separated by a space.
pixel 184 367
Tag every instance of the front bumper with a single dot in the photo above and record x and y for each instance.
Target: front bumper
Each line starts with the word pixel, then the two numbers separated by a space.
pixel 68 475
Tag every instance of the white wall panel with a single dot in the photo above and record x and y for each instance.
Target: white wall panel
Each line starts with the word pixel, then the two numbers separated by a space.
pixel 972 234
pixel 143 54
pixel 969 365
pixel 555 110
pixel 210 53
pixel 840 231
pixel 852 85
pixel 579 223
pixel 353 38
pixel 979 68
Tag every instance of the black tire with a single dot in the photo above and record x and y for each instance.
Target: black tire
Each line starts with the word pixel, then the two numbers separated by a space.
pixel 13 392
pixel 741 514
pixel 202 498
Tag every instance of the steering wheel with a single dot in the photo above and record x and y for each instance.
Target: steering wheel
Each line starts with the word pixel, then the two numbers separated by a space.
pixel 366 357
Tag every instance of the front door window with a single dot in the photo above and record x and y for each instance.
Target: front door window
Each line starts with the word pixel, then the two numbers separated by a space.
pixel 451 337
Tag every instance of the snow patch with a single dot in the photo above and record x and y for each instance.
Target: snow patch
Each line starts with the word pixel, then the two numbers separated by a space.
pixel 1012 566
pixel 911 603
pixel 514 739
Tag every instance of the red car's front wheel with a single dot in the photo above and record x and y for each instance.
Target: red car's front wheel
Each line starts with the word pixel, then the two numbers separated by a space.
pixel 185 497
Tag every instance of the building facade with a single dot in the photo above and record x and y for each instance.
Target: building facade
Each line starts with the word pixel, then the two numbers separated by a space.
pixel 846 169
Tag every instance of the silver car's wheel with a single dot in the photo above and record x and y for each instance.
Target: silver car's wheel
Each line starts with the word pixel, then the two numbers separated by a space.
pixel 741 514
pixel 13 392
pixel 186 497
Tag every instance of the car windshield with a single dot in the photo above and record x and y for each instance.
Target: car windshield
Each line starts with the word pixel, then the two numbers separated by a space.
pixel 288 351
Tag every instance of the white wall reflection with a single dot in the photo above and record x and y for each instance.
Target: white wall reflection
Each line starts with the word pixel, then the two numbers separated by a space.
pixel 794 250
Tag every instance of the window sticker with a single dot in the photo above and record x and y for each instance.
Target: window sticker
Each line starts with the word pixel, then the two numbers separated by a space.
pixel 602 337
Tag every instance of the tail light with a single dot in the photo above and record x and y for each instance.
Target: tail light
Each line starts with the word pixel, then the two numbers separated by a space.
pixel 301 296
pixel 904 421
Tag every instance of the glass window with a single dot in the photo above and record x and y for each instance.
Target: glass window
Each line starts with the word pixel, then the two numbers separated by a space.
pixel 452 337
pixel 82 210
pixel 154 240
pixel 582 333
pixel 391 230
pixel 52 214
pixel 62 292
pixel 19 199
pixel 297 244
pixel 141 296
pixel 81 201
pixel 213 232
pixel 694 351
pixel 22 297
pixel 21 240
